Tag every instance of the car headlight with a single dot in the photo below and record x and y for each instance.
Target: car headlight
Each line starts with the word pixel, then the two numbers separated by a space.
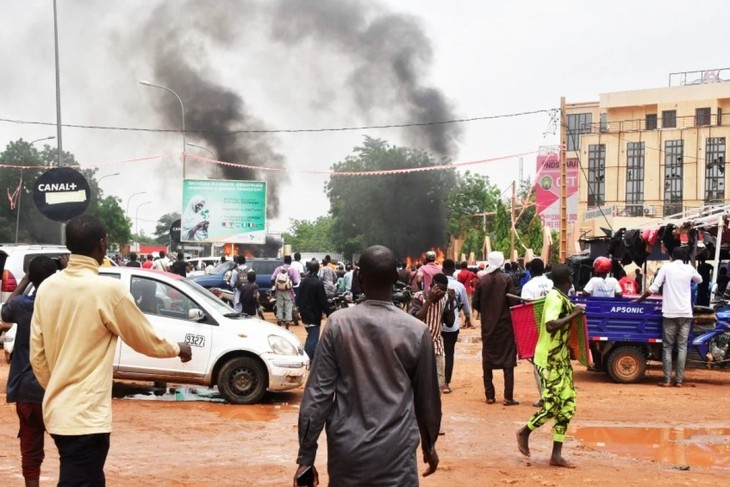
pixel 281 346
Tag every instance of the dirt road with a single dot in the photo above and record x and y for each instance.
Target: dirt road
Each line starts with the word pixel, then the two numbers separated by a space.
pixel 628 434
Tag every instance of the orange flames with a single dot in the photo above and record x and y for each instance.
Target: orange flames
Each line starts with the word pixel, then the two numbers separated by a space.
pixel 440 255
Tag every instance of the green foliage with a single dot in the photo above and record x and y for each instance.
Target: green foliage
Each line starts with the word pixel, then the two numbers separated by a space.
pixel 118 226
pixel 473 194
pixel 162 229
pixel 310 236
pixel 405 212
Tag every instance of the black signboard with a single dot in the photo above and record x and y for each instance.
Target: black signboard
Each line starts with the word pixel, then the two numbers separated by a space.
pixel 175 231
pixel 61 193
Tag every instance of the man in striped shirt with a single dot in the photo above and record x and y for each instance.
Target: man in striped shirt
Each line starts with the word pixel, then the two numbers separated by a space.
pixel 435 306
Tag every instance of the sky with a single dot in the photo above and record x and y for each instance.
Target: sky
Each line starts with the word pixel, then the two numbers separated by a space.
pixel 320 64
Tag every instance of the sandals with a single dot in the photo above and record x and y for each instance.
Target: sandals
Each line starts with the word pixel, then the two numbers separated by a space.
pixel 510 402
pixel 490 401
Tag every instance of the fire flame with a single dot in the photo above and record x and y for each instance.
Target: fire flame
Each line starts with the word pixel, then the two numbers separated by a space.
pixel 440 256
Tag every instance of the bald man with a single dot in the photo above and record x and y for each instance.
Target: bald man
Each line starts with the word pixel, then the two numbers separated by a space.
pixel 373 385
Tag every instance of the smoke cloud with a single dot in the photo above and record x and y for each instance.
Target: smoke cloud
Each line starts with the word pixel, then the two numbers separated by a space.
pixel 391 55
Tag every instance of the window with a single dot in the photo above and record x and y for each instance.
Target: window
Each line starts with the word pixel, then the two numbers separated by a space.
pixel 651 121
pixel 603 122
pixel 157 298
pixel 719 116
pixel 702 117
pixel 596 174
pixel 635 178
pixel 669 119
pixel 715 170
pixel 579 123
pixel 673 176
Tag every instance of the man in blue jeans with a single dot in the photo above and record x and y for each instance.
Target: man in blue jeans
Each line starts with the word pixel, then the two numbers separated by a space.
pixel 677 278
pixel 312 302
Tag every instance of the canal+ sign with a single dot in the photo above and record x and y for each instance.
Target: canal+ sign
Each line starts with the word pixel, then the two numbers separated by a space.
pixel 61 193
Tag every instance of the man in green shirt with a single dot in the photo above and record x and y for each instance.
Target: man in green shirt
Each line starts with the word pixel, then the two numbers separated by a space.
pixel 552 361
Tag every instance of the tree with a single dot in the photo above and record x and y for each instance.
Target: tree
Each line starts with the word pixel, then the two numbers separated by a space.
pixel 162 229
pixel 473 194
pixel 405 212
pixel 118 226
pixel 311 236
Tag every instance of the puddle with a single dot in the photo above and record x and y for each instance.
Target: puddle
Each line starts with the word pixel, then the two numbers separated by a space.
pixel 700 447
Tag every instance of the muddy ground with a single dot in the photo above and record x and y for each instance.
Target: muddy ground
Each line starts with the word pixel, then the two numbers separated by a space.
pixel 622 434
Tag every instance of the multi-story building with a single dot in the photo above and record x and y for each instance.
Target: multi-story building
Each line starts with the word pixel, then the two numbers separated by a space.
pixel 650 153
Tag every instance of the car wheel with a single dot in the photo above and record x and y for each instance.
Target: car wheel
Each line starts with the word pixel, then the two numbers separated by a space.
pixel 242 380
pixel 627 365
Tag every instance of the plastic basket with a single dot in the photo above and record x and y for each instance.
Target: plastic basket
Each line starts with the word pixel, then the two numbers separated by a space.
pixel 525 323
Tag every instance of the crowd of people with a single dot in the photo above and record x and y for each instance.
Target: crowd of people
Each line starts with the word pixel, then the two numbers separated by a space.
pixel 374 415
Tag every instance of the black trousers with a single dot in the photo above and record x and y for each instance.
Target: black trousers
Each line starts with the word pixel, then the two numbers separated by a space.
pixel 82 459
pixel 509 383
pixel 449 346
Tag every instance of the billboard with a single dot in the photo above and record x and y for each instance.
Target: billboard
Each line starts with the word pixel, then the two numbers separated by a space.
pixel 547 190
pixel 216 210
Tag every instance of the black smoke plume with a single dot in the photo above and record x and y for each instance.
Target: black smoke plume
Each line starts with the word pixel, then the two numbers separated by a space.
pixel 212 111
pixel 390 54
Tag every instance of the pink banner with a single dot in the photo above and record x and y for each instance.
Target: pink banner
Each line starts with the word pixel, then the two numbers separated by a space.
pixel 547 189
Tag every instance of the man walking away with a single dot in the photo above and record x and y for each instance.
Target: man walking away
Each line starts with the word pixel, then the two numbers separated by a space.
pixel 22 387
pixel 427 271
pixel 298 266
pixel 312 302
pixel 498 338
pixel 249 295
pixel 451 333
pixel 676 278
pixel 179 267
pixel 133 262
pixel 77 318
pixel 537 287
pixel 284 279
pixel 373 385
pixel 162 263
pixel 149 263
pixel 239 277
pixel 552 359
pixel 328 277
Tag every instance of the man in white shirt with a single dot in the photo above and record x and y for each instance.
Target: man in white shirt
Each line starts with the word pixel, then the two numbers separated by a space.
pixel 600 285
pixel 539 285
pixel 676 277
pixel 163 263
pixel 298 266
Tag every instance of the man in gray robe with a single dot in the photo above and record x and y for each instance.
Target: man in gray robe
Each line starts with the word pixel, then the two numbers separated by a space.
pixel 373 381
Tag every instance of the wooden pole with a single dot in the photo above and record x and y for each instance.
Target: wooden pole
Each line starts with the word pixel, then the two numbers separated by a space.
pixel 563 183
pixel 512 221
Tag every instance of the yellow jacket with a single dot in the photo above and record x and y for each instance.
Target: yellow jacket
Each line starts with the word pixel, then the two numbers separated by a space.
pixel 77 318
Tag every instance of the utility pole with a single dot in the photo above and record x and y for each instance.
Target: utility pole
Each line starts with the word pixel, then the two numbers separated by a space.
pixel 522 171
pixel 512 221
pixel 563 183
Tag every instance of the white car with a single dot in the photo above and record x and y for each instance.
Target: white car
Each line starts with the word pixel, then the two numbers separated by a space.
pixel 15 258
pixel 241 355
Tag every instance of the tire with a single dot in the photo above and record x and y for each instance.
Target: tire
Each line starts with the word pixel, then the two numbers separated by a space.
pixel 626 365
pixel 243 380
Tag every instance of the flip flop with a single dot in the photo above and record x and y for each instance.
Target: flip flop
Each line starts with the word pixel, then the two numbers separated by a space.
pixel 510 402
pixel 490 401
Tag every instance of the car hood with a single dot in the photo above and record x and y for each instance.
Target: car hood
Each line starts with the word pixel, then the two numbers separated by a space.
pixel 257 328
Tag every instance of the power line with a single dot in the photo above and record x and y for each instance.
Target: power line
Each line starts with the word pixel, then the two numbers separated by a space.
pixel 279 131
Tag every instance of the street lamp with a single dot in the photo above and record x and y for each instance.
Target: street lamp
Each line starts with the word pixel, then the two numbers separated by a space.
pixel 20 190
pixel 212 154
pixel 98 181
pixel 136 217
pixel 182 110
pixel 130 199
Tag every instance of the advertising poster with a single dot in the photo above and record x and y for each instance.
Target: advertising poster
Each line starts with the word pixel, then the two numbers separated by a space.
pixel 216 210
pixel 547 191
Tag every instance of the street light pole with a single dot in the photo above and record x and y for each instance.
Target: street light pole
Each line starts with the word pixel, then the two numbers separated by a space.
pixel 130 199
pixel 58 93
pixel 20 189
pixel 212 154
pixel 136 216
pixel 182 110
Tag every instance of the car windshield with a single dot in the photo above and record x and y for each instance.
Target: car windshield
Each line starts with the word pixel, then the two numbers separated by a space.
pixel 265 266
pixel 199 293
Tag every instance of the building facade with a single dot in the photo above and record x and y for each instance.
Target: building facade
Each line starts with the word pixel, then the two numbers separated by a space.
pixel 650 153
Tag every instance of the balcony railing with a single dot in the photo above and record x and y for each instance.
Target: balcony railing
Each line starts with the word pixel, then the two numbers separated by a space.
pixel 640 125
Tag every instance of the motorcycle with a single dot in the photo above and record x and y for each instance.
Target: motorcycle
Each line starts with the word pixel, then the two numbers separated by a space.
pixel 402 295
pixel 711 335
